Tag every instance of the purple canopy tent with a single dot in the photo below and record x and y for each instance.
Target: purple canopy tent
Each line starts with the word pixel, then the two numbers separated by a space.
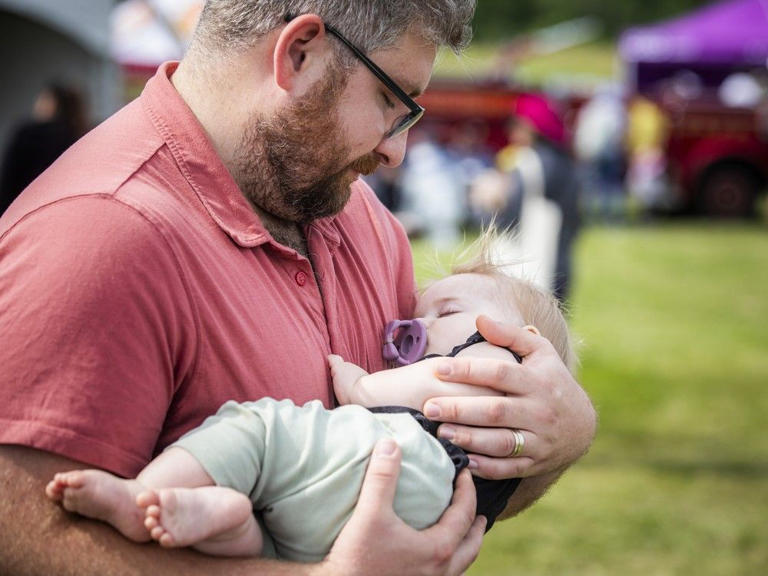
pixel 713 42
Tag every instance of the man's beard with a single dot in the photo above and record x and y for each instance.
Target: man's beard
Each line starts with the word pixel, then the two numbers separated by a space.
pixel 292 165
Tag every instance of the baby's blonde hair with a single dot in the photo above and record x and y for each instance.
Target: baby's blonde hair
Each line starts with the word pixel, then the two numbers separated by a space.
pixel 538 307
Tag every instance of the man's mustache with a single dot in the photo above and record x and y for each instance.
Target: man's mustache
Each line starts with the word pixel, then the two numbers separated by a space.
pixel 366 165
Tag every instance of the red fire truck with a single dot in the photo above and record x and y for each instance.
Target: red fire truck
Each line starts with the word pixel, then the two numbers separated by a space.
pixel 716 156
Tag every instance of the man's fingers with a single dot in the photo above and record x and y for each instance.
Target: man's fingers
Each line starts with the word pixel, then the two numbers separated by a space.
pixel 378 490
pixel 506 376
pixel 520 340
pixel 488 411
pixel 459 516
pixel 501 468
pixel 469 548
pixel 460 531
pixel 496 442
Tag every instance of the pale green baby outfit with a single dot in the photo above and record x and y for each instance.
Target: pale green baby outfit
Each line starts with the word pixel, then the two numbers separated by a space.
pixel 302 467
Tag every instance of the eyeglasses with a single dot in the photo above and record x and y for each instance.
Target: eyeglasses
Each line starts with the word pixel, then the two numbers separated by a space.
pixel 402 123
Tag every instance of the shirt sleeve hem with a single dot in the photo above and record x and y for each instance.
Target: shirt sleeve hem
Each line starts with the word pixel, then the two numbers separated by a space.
pixel 89 451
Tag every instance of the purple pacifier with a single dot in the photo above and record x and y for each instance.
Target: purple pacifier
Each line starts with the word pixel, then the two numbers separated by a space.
pixel 404 341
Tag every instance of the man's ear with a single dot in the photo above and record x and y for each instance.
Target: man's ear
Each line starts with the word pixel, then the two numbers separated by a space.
pixel 300 54
pixel 532 329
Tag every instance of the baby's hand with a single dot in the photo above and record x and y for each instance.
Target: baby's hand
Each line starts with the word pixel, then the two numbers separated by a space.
pixel 410 385
pixel 346 379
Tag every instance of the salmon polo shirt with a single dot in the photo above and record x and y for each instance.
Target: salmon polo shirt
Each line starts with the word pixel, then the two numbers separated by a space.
pixel 139 291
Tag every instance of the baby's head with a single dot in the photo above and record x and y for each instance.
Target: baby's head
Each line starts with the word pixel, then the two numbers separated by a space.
pixel 477 286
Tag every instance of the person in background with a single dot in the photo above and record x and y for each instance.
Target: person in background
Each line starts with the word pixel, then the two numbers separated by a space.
pixel 434 198
pixel 536 190
pixel 386 183
pixel 599 147
pixel 57 121
pixel 648 128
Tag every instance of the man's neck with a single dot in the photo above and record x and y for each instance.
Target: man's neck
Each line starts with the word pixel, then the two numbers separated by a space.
pixel 290 234
pixel 197 87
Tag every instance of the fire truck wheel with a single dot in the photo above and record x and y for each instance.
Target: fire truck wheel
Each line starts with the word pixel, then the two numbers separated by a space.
pixel 729 191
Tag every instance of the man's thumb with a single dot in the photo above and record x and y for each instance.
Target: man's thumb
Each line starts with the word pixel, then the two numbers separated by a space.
pixel 380 480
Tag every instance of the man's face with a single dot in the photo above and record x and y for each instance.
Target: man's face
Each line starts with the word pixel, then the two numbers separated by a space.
pixel 299 164
pixel 296 165
pixel 450 307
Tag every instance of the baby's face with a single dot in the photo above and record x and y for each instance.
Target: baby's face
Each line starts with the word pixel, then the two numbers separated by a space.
pixel 450 306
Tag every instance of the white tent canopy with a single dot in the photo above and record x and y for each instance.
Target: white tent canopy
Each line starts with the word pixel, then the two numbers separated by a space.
pixel 149 32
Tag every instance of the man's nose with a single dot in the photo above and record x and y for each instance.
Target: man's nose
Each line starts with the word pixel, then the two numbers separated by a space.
pixel 392 150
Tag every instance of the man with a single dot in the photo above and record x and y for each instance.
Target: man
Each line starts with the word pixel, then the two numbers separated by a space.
pixel 212 241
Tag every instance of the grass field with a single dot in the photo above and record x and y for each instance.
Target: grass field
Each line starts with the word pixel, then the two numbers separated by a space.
pixel 586 64
pixel 673 320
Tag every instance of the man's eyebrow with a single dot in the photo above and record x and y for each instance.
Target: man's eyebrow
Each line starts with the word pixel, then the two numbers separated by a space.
pixel 412 90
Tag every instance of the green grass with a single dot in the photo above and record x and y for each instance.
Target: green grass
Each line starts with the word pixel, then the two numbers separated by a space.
pixel 673 321
pixel 589 64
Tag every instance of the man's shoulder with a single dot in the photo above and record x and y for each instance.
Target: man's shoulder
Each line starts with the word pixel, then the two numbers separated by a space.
pixel 111 154
pixel 121 153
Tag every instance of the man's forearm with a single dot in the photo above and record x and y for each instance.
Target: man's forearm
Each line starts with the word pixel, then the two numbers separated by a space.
pixel 37 538
pixel 529 490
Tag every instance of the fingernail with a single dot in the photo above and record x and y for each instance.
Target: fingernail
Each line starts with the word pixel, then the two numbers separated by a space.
pixel 431 410
pixel 446 432
pixel 385 447
pixel 473 465
pixel 444 369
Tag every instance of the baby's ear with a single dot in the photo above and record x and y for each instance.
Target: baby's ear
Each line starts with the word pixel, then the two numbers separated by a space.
pixel 532 329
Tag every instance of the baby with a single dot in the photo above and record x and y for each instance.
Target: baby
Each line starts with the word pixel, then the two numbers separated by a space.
pixel 300 468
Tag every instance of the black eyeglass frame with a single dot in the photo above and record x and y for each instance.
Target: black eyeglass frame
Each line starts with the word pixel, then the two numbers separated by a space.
pixel 404 122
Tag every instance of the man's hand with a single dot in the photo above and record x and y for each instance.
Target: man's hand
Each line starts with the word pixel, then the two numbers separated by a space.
pixel 542 401
pixel 376 542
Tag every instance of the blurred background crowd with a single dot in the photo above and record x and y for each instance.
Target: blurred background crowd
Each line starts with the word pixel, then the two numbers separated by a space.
pixel 626 145
pixel 678 122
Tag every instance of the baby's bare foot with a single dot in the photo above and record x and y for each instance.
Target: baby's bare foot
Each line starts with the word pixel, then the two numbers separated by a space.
pixel 100 495
pixel 184 517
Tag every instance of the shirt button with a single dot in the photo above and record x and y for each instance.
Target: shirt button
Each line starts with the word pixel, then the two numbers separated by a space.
pixel 301 278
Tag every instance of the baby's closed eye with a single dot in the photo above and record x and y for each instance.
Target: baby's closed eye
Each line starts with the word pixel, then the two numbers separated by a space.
pixel 448 310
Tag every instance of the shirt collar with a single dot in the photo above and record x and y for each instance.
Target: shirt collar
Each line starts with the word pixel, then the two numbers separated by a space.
pixel 202 167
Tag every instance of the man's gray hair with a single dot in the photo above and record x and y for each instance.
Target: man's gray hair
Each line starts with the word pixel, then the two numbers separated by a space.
pixel 370 24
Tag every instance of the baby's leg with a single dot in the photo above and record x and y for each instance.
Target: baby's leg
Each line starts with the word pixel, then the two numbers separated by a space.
pixel 212 519
pixel 182 506
pixel 102 496
pixel 174 468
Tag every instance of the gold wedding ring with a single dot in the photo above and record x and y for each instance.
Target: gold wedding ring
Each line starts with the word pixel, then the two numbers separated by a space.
pixel 519 443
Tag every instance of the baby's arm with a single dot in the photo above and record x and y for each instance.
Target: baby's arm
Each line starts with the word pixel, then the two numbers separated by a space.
pixel 410 385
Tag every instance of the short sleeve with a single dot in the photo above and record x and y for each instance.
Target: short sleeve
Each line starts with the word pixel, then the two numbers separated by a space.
pixel 97 332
